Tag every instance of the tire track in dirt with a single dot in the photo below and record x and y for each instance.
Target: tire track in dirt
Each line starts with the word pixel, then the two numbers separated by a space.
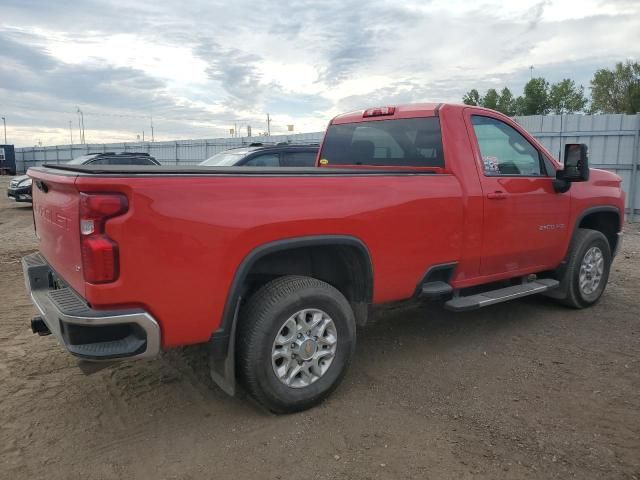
pixel 524 390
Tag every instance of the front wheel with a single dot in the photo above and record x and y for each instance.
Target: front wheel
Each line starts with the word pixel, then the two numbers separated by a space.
pixel 296 339
pixel 587 270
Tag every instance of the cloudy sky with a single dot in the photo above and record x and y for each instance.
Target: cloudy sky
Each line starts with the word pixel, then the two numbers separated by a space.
pixel 201 66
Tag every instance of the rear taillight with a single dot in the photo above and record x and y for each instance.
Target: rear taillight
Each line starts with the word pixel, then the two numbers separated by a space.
pixel 99 252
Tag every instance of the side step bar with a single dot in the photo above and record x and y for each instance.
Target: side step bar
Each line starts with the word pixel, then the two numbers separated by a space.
pixel 472 302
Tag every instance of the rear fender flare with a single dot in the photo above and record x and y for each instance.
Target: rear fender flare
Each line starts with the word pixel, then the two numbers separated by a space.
pixel 222 343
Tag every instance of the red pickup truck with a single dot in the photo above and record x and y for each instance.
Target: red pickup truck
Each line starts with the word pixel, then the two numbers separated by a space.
pixel 274 268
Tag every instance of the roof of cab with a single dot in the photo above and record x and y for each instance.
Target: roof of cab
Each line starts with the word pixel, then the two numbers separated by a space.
pixel 410 110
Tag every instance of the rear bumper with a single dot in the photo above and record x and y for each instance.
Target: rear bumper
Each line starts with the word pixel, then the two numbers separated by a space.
pixel 87 333
pixel 22 194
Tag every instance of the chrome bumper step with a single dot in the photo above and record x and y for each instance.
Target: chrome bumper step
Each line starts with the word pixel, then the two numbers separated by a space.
pixel 87 333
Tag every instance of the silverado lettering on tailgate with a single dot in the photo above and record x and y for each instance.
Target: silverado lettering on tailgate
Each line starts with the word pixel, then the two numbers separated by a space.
pixel 53 217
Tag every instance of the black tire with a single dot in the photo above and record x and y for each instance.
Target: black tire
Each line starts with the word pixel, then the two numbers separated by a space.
pixel 260 321
pixel 583 241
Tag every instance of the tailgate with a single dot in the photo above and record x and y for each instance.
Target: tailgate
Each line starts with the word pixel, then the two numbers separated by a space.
pixel 55 213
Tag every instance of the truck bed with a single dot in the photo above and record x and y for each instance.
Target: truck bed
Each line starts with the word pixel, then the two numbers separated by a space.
pixel 201 222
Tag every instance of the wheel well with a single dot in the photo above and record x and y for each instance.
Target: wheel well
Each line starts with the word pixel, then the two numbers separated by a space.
pixel 345 267
pixel 341 261
pixel 607 222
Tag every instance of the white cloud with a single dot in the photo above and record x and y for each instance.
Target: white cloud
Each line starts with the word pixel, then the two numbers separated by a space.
pixel 293 77
pixel 201 65
pixel 173 63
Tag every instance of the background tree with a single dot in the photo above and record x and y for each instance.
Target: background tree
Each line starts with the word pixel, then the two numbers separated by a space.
pixel 534 102
pixel 617 90
pixel 506 102
pixel 503 102
pixel 472 97
pixel 565 97
pixel 490 100
pixel 541 98
pixel 536 97
pixel 518 106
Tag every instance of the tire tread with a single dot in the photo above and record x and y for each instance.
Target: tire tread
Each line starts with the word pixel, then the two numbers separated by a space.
pixel 583 237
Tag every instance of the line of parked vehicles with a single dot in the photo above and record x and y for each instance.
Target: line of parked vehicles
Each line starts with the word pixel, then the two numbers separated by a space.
pixel 253 155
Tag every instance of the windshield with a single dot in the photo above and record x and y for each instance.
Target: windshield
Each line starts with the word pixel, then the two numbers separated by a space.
pixel 81 160
pixel 224 159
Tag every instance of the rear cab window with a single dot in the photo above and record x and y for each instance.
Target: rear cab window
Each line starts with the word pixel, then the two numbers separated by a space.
pixel 407 142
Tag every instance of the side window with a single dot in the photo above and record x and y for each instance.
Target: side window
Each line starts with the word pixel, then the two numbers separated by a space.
pixel 408 142
pixel 266 160
pixel 299 159
pixel 131 161
pixel 99 161
pixel 505 151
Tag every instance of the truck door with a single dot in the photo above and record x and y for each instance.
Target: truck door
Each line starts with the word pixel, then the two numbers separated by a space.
pixel 525 220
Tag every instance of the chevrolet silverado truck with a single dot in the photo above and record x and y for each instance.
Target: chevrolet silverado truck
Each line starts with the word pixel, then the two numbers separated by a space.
pixel 274 268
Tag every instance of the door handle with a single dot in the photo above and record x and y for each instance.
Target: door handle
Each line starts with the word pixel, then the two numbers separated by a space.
pixel 497 195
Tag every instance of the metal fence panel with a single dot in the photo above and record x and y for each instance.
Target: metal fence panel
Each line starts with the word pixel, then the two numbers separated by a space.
pixel 613 140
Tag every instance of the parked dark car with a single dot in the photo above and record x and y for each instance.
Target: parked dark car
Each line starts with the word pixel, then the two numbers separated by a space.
pixel 20 187
pixel 260 155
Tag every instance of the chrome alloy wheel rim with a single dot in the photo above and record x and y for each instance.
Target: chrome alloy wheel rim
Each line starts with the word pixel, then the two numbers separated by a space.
pixel 304 348
pixel 591 270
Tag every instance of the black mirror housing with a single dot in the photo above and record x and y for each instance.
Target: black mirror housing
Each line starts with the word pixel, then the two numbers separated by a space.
pixel 576 163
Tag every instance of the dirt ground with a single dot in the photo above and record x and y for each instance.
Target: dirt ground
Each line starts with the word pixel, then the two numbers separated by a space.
pixel 526 389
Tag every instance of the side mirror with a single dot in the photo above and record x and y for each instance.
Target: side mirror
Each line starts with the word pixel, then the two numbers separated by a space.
pixel 576 163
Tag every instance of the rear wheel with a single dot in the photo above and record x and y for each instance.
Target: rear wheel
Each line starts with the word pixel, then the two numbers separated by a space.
pixel 296 339
pixel 587 270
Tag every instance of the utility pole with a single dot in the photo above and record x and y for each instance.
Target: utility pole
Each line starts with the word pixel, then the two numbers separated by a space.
pixel 268 125
pixel 71 131
pixel 81 124
pixel 4 122
pixel 152 138
pixel 143 135
pixel 531 72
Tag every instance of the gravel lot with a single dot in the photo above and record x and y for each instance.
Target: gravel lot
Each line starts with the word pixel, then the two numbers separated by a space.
pixel 526 389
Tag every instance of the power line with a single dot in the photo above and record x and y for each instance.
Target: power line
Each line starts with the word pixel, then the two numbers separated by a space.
pixel 177 118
